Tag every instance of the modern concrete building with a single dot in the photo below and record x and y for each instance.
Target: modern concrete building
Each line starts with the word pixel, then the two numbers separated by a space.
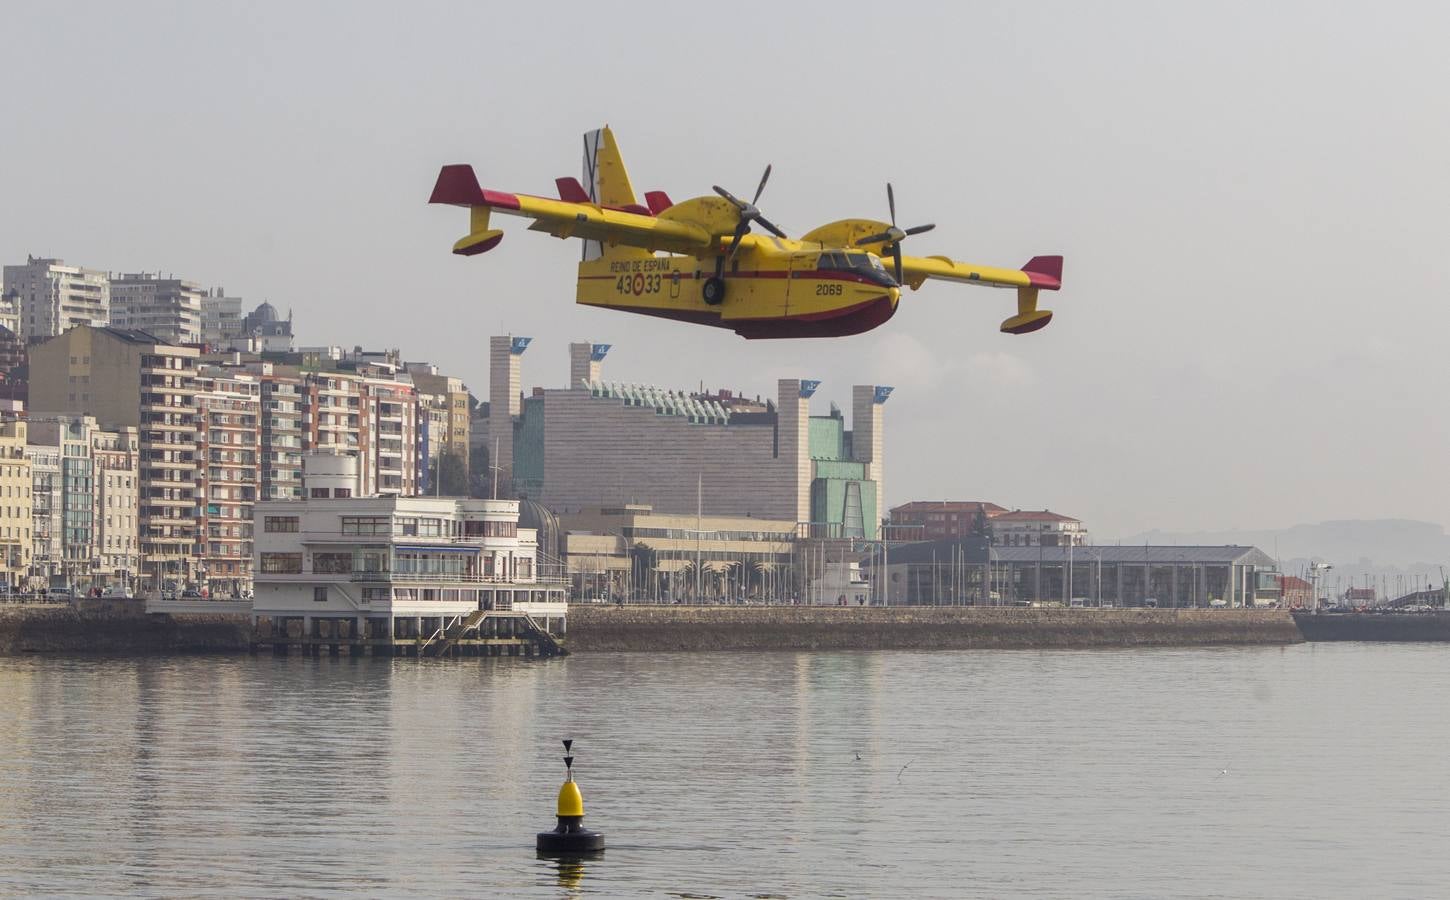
pixel 602 443
pixel 15 505
pixel 133 379
pixel 169 308
pixel 53 296
pixel 392 567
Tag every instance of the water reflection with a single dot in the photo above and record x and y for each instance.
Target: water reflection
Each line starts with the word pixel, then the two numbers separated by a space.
pixel 568 870
pixel 731 774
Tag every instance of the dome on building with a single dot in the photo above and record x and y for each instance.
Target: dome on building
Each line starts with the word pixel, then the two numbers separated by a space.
pixel 265 312
pixel 533 514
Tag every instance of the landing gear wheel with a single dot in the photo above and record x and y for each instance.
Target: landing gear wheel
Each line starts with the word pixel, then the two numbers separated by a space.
pixel 714 291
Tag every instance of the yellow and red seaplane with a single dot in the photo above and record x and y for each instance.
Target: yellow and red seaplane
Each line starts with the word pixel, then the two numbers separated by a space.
pixel 700 261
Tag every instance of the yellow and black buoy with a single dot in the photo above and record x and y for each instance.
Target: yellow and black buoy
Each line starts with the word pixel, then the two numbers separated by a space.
pixel 570 836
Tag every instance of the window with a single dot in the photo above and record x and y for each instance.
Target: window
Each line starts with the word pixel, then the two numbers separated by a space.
pixel 282 563
pixel 342 492
pixel 279 523
pixel 319 493
pixel 366 525
pixel 332 563
pixel 319 594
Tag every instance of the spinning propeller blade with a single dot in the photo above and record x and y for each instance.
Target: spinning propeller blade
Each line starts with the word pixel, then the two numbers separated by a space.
pixel 748 214
pixel 893 236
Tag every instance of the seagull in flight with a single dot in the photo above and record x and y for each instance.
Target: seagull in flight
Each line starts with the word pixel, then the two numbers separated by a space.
pixel 858 755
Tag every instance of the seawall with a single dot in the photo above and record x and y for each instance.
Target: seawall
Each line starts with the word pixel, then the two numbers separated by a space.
pixel 1432 626
pixel 657 628
pixel 116 627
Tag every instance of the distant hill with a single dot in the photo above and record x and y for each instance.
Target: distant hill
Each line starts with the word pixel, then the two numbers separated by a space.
pixel 1351 544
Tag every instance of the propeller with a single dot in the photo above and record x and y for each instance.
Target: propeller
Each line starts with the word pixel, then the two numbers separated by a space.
pixel 893 236
pixel 748 213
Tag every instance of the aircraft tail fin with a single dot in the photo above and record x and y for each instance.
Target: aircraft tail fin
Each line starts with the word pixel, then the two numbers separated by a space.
pixel 605 178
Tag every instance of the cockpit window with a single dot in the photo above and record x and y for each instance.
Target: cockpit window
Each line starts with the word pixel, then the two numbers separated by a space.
pixel 864 261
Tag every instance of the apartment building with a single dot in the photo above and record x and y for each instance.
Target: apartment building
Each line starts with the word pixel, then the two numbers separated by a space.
pixel 370 413
pixel 228 433
pixel 169 308
pixel 116 462
pixel 446 399
pixel 51 296
pixel 85 508
pixel 134 379
pixel 15 505
pixel 221 320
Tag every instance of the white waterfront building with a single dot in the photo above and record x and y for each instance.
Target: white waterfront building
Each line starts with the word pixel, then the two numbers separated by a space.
pixel 393 567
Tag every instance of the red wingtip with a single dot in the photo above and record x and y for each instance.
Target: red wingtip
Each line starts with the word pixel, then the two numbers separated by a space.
pixel 658 201
pixel 1044 272
pixel 458 186
pixel 571 191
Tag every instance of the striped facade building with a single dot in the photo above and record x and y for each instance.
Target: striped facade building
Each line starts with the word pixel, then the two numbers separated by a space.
pixel 600 443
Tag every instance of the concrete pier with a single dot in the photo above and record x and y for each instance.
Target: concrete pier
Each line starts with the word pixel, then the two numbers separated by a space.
pixel 483 633
pixel 656 628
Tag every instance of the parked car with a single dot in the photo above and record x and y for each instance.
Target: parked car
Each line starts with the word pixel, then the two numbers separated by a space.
pixel 191 594
pixel 1078 602
pixel 1150 602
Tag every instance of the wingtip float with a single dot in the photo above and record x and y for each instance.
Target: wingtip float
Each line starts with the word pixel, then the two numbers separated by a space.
pixel 701 261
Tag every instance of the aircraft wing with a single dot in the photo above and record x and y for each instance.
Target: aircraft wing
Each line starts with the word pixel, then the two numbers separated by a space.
pixel 1042 273
pixel 457 185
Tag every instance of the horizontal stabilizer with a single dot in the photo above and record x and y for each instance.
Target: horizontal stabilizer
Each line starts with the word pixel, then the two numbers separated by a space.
pixel 1045 272
pixel 658 201
pixel 457 185
pixel 571 191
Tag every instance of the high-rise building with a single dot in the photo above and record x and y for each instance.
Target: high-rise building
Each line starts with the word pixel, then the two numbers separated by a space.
pixel 228 410
pixel 284 399
pixel 601 443
pixel 53 296
pixel 169 308
pixel 221 320
pixel 15 504
pixel 133 379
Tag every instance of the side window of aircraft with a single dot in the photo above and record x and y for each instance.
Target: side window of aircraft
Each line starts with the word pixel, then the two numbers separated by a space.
pixel 827 261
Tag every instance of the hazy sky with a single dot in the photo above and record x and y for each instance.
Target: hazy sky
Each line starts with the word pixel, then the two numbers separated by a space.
pixel 1251 199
